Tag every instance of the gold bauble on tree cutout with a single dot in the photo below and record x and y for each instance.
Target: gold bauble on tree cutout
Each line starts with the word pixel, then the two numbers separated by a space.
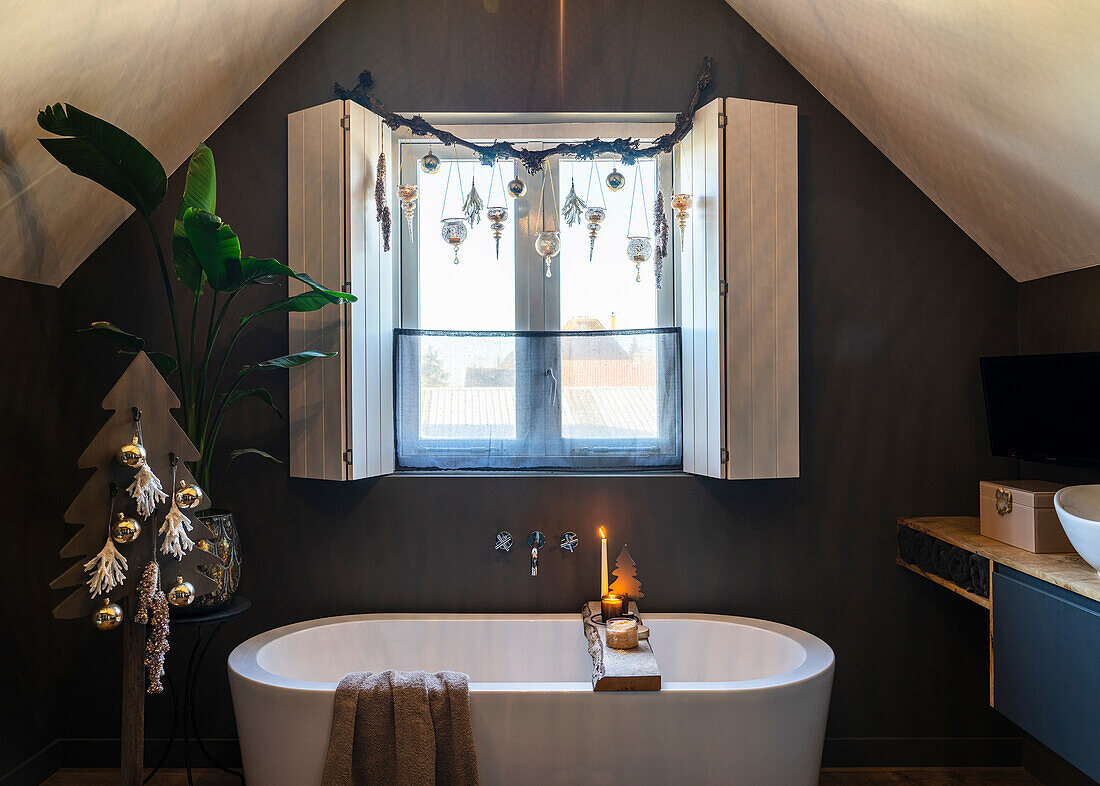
pixel 182 594
pixel 188 495
pixel 125 529
pixel 132 454
pixel 108 616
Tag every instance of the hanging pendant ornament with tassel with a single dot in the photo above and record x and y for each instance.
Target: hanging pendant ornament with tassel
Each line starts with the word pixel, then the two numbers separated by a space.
pixel 108 567
pixel 381 206
pixel 176 524
pixel 594 215
pixel 497 214
pixel 547 242
pixel 407 193
pixel 639 248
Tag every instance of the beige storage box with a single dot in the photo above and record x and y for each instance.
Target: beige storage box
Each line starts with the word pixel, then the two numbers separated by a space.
pixel 1021 513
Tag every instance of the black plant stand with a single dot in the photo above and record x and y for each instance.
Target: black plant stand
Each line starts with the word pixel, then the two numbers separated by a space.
pixel 185 714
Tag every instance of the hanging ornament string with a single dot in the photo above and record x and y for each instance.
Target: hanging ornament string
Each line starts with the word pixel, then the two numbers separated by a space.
pixel 595 170
pixel 108 567
pixel 645 214
pixel 447 187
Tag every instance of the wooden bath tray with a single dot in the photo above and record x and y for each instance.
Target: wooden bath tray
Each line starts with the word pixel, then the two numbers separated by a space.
pixel 618 670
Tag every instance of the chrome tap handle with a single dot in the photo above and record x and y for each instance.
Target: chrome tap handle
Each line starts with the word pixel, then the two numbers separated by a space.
pixel 535 540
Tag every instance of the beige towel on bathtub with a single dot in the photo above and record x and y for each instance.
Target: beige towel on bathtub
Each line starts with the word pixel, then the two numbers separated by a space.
pixel 401 728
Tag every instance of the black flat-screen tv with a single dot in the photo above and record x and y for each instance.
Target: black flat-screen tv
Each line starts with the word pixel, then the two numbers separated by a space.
pixel 1044 407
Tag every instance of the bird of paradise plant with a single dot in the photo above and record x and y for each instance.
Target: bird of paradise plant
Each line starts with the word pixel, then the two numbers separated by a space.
pixel 206 256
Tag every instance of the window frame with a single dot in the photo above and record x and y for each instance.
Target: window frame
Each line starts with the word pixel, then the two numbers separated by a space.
pixel 538 300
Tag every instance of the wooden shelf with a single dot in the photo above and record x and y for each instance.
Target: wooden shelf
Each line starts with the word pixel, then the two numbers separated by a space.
pixel 1068 571
pixel 983 602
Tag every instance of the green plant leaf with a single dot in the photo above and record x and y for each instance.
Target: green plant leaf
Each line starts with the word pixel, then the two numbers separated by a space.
pixel 199 192
pixel 113 333
pixel 261 393
pixel 162 361
pixel 255 270
pixel 105 154
pixel 307 301
pixel 216 247
pixel 288 361
pixel 245 451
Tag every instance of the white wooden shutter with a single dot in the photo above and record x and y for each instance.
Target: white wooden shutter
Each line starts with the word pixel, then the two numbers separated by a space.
pixel 739 291
pixel 341 409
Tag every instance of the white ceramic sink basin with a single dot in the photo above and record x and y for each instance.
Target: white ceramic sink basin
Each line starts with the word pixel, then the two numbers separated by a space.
pixel 1078 509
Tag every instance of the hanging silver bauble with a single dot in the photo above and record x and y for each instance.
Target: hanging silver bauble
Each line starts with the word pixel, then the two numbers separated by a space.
pixel 594 216
pixel 430 162
pixel 548 244
pixel 132 454
pixel 516 188
pixel 638 250
pixel 188 495
pixel 454 232
pixel 182 594
pixel 615 180
pixel 125 529
pixel 108 616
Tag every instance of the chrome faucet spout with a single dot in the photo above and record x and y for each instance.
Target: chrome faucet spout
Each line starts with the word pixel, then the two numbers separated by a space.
pixel 535 540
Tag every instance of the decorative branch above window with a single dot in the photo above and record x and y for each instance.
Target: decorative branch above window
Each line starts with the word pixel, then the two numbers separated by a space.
pixel 628 149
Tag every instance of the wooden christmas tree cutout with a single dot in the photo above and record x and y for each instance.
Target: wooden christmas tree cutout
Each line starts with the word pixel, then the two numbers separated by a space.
pixel 140 386
pixel 625 572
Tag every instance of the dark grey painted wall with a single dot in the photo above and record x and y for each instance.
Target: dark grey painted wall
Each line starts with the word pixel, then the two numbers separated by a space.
pixel 896 306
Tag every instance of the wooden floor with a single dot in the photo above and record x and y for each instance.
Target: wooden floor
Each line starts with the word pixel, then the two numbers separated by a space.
pixel 921 776
pixel 929 776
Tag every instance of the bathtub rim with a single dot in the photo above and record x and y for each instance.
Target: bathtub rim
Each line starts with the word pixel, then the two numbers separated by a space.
pixel 243 660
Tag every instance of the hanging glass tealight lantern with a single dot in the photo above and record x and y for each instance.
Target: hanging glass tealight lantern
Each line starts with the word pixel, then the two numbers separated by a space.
pixel 638 250
pixel 681 205
pixel 454 232
pixel 548 244
pixel 497 215
pixel 430 162
pixel 407 193
pixel 594 216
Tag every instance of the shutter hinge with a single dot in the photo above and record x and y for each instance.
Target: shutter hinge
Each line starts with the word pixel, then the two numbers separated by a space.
pixel 725 454
pixel 347 456
pixel 346 287
pixel 345 121
pixel 721 119
pixel 723 287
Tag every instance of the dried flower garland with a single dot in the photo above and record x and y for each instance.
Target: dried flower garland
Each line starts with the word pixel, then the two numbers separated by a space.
pixel 660 233
pixel 381 205
pixel 628 149
pixel 152 610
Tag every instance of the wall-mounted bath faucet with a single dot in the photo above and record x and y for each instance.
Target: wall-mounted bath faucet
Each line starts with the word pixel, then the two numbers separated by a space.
pixel 536 540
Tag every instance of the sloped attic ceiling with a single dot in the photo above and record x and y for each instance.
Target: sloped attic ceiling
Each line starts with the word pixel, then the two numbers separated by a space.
pixel 992 107
pixel 167 71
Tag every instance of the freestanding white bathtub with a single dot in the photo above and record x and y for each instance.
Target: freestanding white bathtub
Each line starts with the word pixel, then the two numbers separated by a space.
pixel 743 701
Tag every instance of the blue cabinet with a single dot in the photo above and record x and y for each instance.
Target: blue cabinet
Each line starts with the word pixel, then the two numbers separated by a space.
pixel 1046 665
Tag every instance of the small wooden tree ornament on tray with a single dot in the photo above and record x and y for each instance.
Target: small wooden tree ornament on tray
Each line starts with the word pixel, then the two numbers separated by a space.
pixel 141 402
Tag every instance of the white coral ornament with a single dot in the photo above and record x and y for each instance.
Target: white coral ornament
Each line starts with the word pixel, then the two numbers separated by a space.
pixel 146 491
pixel 108 569
pixel 174 529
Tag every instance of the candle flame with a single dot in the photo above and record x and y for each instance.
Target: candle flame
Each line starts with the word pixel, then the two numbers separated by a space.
pixel 603 535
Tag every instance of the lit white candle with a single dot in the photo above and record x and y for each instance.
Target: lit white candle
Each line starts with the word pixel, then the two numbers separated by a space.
pixel 603 562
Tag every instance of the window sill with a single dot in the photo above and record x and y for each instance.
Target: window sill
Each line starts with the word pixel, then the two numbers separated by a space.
pixel 478 473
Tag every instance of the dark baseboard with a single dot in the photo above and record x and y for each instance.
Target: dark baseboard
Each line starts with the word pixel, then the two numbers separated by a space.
pixel 1049 767
pixel 106 753
pixel 922 752
pixel 36 768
